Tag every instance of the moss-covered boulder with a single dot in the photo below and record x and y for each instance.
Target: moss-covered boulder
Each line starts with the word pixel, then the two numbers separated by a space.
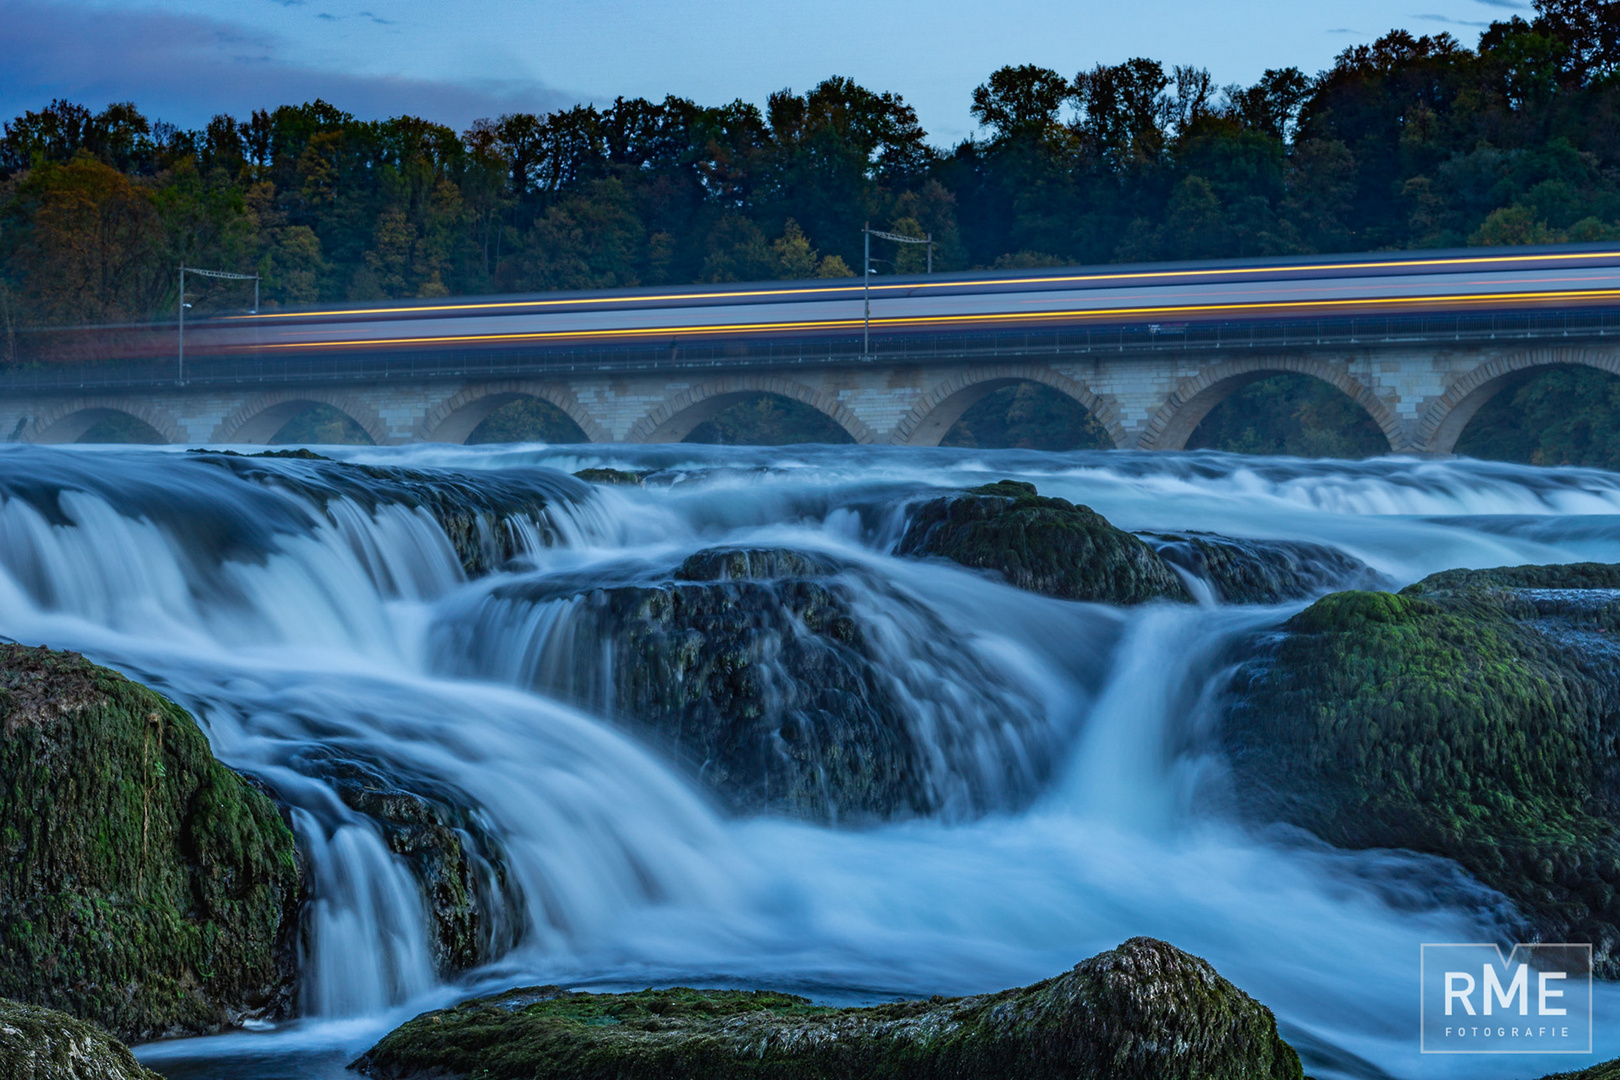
pixel 488 519
pixel 143 885
pixel 43 1044
pixel 1043 544
pixel 1474 715
pixel 1143 1011
pixel 1609 1070
pixel 762 670
pixel 1244 571
pixel 613 477
pixel 458 862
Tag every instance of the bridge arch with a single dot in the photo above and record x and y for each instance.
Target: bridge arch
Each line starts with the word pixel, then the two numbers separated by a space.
pixel 1192 400
pixel 455 419
pixel 67 422
pixel 257 420
pixel 1443 422
pixel 674 419
pixel 944 405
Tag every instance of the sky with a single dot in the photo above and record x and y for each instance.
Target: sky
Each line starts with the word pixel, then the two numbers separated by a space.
pixel 456 60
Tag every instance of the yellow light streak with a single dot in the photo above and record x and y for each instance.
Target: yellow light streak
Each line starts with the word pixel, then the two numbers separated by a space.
pixel 956 320
pixel 1140 275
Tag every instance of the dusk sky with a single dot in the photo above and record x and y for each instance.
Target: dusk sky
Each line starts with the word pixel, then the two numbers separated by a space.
pixel 184 60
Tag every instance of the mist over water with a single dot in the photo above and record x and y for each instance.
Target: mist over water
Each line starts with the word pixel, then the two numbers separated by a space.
pixel 1072 756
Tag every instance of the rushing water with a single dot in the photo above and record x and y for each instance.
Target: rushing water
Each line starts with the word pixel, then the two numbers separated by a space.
pixel 1069 744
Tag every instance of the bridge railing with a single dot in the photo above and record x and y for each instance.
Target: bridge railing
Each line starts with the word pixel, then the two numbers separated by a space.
pixel 338 365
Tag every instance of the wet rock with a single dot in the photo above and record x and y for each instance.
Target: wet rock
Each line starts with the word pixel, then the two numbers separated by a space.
pixel 43 1044
pixel 1042 544
pixel 1474 715
pixel 1243 571
pixel 1143 1011
pixel 1609 1070
pixel 489 519
pixel 613 477
pixel 456 859
pixel 143 885
pixel 762 670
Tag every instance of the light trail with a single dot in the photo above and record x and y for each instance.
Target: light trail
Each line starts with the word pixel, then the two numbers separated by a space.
pixel 1074 315
pixel 1551 258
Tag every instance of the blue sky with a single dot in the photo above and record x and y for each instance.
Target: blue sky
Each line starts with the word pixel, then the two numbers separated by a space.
pixel 455 60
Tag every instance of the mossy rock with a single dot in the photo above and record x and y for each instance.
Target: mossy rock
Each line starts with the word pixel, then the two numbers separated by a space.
pixel 756 668
pixel 1143 1011
pixel 1243 571
pixel 1474 715
pixel 458 863
pixel 143 885
pixel 1042 544
pixel 613 477
pixel 43 1044
pixel 488 519
pixel 1609 1070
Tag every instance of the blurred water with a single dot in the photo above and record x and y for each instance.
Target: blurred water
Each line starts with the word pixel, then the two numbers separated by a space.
pixel 295 613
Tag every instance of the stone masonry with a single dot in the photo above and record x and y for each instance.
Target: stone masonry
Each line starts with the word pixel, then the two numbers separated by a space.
pixel 1421 397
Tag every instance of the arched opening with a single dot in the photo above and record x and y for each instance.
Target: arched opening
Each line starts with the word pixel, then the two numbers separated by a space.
pixel 1287 413
pixel 1561 415
pixel 759 418
pixel 103 426
pixel 305 423
pixel 513 418
pixel 120 427
pixel 1024 414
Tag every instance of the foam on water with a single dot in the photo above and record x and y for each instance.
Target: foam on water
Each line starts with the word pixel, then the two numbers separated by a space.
pixel 296 622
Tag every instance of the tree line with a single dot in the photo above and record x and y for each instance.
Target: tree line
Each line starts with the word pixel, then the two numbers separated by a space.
pixel 1405 142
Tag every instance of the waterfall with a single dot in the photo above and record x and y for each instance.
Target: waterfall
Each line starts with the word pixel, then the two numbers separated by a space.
pixel 321 619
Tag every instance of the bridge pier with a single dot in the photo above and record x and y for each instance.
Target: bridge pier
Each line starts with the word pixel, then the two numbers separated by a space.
pixel 1421 395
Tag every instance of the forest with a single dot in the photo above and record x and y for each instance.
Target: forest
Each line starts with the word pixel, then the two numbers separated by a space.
pixel 1406 142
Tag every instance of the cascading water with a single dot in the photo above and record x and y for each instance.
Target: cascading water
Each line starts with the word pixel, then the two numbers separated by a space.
pixel 319 619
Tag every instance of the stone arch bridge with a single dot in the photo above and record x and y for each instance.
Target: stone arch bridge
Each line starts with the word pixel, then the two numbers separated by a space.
pixel 1420 394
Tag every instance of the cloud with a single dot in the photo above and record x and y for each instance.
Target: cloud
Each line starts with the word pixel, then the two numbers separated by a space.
pixel 1513 5
pixel 1449 19
pixel 1342 30
pixel 185 69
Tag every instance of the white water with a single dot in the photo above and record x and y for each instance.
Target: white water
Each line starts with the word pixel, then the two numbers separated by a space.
pixel 291 629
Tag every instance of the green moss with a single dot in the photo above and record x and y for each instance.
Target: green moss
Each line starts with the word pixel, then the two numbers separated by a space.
pixel 1475 715
pixel 613 477
pixel 1609 1070
pixel 1143 1011
pixel 143 885
pixel 1042 544
pixel 42 1044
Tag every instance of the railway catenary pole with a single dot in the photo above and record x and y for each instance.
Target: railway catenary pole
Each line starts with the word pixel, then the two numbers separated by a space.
pixel 866 276
pixel 180 369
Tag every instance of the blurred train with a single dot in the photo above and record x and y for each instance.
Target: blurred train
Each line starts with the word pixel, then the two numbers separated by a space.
pixel 1161 298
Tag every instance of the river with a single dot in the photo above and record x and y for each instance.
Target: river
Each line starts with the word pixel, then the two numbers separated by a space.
pixel 295 615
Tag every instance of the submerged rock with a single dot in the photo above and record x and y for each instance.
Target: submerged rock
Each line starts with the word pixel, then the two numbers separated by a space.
pixel 1143 1011
pixel 43 1044
pixel 1243 571
pixel 489 519
pixel 456 859
pixel 1042 544
pixel 143 885
pixel 1474 715
pixel 613 477
pixel 765 671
